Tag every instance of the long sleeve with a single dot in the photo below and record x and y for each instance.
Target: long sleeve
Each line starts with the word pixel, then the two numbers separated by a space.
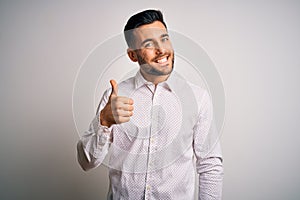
pixel 93 146
pixel 208 153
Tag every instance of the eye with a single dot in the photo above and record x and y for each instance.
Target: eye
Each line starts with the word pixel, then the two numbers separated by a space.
pixel 164 39
pixel 148 44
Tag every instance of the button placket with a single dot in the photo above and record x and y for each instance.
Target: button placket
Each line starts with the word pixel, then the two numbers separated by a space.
pixel 150 147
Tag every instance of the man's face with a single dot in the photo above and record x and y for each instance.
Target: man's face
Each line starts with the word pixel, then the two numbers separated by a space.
pixel 153 49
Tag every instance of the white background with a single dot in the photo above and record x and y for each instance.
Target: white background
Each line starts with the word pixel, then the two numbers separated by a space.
pixel 254 44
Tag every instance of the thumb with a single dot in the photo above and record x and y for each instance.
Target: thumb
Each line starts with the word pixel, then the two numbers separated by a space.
pixel 114 86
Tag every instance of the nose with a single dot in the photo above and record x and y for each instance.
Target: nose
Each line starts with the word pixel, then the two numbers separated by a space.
pixel 160 48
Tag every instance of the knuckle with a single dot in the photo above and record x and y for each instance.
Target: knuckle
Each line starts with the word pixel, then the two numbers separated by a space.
pixel 118 112
pixel 131 101
pixel 127 119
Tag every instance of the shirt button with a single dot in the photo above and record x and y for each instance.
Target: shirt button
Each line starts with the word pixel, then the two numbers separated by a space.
pixel 152 140
pixel 148 187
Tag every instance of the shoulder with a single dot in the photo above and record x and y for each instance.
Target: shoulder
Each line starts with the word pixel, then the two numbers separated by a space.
pixel 126 87
pixel 128 82
pixel 183 85
pixel 201 95
pixel 123 85
pixel 198 91
pixel 177 80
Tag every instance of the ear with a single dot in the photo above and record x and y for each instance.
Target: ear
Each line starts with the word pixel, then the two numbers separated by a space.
pixel 132 55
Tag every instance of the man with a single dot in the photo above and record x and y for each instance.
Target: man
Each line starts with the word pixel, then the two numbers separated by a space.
pixel 148 129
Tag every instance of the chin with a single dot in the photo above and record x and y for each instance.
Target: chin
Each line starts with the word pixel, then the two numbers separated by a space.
pixel 166 71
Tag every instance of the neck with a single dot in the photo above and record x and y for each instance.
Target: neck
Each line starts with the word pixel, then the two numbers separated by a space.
pixel 154 79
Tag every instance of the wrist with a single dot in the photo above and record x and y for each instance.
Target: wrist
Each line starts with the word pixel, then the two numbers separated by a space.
pixel 103 121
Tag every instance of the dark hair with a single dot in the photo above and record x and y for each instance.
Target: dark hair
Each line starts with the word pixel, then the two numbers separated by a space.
pixel 139 19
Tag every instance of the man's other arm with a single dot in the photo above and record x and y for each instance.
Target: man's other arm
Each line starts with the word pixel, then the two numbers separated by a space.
pixel 208 153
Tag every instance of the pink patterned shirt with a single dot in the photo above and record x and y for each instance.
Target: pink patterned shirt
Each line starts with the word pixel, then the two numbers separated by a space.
pixel 168 144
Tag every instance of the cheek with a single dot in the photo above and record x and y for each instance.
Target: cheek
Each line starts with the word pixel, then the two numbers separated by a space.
pixel 148 54
pixel 169 46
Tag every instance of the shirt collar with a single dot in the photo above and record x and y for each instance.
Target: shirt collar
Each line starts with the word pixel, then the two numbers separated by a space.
pixel 139 80
pixel 169 84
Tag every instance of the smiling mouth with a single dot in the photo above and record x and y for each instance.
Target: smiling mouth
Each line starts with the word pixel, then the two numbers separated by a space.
pixel 162 60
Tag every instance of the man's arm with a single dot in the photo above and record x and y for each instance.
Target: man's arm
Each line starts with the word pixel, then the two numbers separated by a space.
pixel 208 153
pixel 93 146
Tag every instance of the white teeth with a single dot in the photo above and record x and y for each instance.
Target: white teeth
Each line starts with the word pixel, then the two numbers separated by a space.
pixel 162 60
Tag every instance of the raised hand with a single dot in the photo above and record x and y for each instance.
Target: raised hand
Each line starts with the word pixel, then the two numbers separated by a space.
pixel 118 109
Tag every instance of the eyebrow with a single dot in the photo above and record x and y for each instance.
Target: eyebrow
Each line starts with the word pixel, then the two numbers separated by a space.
pixel 150 39
pixel 164 35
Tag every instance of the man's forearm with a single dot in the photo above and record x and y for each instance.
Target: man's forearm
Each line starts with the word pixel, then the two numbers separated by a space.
pixel 93 146
pixel 211 179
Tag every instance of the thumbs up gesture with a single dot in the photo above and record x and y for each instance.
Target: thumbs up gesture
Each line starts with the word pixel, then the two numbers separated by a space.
pixel 118 109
